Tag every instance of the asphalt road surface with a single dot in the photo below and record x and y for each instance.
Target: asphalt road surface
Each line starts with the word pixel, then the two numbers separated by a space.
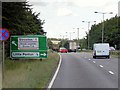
pixel 80 70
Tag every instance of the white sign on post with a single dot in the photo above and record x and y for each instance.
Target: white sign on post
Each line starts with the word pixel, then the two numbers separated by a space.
pixel 28 44
pixel 25 54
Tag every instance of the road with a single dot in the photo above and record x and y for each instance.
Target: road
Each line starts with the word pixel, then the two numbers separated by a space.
pixel 80 70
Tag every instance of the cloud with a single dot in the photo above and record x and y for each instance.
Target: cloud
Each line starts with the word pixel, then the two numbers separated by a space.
pixel 119 8
pixel 64 12
pixel 38 2
pixel 51 2
pixel 88 3
pixel 111 7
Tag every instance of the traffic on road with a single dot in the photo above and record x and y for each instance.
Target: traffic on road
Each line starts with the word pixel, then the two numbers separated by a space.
pixel 80 70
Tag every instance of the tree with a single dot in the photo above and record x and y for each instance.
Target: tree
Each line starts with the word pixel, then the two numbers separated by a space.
pixel 111 32
pixel 19 19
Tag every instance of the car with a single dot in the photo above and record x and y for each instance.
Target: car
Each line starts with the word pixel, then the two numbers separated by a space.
pixel 63 50
pixel 111 48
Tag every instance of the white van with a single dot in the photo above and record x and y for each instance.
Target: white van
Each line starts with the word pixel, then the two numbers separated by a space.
pixel 101 50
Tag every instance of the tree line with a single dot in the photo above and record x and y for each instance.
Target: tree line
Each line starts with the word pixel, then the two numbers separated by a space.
pixel 19 19
pixel 111 33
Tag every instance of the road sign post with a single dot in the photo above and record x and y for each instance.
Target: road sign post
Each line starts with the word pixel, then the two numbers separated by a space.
pixel 4 35
pixel 28 47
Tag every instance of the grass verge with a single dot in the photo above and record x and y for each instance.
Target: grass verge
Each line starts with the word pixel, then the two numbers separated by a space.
pixel 115 53
pixel 30 73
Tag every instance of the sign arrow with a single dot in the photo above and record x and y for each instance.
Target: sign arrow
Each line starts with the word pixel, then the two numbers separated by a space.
pixel 13 42
pixel 44 54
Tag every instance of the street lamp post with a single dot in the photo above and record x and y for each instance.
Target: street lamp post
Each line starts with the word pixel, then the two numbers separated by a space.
pixel 70 34
pixel 77 38
pixel 88 30
pixel 62 39
pixel 78 33
pixel 103 23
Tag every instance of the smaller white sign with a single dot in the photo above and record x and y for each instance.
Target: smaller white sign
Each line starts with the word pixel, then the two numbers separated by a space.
pixel 25 54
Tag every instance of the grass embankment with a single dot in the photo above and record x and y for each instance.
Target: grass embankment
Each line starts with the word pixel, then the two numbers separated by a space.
pixel 30 73
pixel 115 53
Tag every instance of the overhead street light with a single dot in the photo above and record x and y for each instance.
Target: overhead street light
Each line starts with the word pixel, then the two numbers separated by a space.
pixel 103 23
pixel 70 34
pixel 88 29
pixel 77 33
pixel 104 12
pixel 77 38
pixel 63 36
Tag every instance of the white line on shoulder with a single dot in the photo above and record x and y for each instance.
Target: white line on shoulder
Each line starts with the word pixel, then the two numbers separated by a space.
pixel 56 73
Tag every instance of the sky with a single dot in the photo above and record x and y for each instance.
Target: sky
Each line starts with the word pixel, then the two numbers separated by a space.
pixel 63 18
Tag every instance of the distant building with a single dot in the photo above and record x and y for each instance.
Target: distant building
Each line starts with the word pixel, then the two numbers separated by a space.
pixel 55 41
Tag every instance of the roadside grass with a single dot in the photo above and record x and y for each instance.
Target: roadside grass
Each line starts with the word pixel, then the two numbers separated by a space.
pixel 112 53
pixel 115 53
pixel 30 73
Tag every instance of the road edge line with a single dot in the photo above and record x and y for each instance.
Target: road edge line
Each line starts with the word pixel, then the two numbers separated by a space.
pixel 56 73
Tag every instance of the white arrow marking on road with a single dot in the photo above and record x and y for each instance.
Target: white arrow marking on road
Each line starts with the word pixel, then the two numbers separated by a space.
pixel 13 42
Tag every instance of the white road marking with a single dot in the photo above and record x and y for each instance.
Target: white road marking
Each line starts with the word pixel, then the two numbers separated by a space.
pixel 111 72
pixel 101 66
pixel 56 73
pixel 89 59
pixel 94 62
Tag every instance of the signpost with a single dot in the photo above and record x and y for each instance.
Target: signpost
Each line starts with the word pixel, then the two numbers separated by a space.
pixel 28 47
pixel 4 35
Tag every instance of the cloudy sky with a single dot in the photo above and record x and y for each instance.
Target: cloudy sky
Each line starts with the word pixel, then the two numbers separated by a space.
pixel 63 16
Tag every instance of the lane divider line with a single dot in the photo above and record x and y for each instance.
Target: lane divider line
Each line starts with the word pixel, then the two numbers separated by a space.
pixel 111 72
pixel 94 62
pixel 56 73
pixel 89 59
pixel 101 66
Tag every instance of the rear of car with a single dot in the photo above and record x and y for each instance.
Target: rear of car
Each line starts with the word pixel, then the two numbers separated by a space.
pixel 63 50
pixel 101 50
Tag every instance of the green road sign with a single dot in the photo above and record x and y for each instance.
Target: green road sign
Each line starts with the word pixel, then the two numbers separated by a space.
pixel 28 46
